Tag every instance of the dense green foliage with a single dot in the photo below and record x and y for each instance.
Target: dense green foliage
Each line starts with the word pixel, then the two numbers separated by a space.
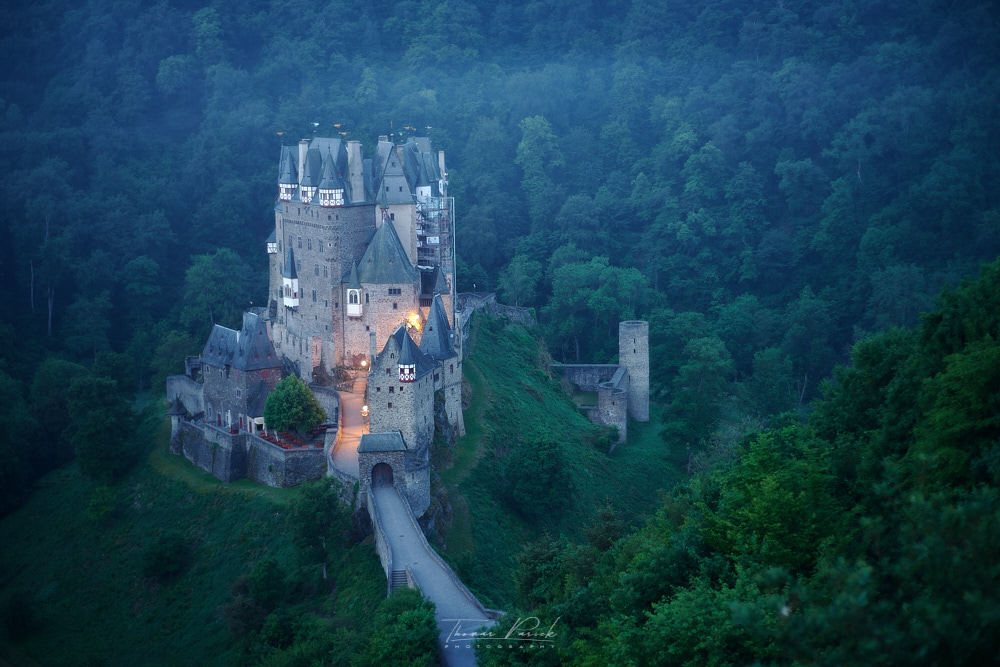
pixel 292 407
pixel 774 178
pixel 178 568
pixel 318 520
pixel 867 536
pixel 767 183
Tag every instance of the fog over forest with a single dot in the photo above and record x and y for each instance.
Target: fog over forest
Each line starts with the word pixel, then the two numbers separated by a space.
pixel 802 198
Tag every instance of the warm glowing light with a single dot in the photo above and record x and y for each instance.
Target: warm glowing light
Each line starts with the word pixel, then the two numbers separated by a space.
pixel 414 321
pixel 364 362
pixel 364 410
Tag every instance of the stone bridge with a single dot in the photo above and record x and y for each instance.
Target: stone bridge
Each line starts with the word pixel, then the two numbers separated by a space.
pixel 409 560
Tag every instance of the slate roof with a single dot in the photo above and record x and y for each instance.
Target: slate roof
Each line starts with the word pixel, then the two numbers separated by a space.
pixel 423 364
pixel 432 281
pixel 256 406
pixel 385 261
pixel 287 173
pixel 382 442
pixel 392 174
pixel 290 271
pixel 393 186
pixel 312 170
pixel 330 180
pixel 177 408
pixel 352 281
pixel 421 164
pixel 437 341
pixel 248 349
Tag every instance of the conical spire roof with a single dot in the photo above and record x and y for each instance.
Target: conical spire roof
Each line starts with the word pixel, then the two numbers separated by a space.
pixel 330 179
pixel 287 174
pixel 437 339
pixel 352 281
pixel 290 271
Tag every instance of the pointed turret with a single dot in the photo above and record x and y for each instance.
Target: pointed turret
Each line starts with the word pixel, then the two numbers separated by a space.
pixel 288 179
pixel 311 165
pixel 407 360
pixel 437 341
pixel 331 186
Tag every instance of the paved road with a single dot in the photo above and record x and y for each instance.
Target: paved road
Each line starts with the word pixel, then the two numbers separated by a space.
pixel 455 612
pixel 345 458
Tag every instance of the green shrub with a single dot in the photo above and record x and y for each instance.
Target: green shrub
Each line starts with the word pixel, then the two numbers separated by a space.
pixel 166 556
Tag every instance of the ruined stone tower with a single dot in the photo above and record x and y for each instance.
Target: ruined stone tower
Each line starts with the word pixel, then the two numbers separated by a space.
pixel 633 354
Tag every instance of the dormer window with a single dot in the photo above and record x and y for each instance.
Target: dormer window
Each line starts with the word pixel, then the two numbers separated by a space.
pixel 286 191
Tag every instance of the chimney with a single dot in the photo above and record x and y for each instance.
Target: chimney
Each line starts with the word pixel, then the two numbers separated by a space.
pixel 355 174
pixel 303 149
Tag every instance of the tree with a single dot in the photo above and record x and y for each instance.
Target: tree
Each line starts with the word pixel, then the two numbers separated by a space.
pixel 292 407
pixel 538 481
pixel 102 427
pixel 539 157
pixel 408 633
pixel 217 289
pixel 519 278
pixel 318 520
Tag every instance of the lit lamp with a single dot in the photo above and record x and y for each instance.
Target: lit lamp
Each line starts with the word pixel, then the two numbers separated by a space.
pixel 364 410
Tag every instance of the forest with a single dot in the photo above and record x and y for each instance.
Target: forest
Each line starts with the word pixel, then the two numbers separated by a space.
pixel 783 189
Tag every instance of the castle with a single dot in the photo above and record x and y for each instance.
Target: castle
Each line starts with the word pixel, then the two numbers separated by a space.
pixel 361 276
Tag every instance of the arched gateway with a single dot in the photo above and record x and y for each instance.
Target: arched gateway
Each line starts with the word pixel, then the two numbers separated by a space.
pixel 381 475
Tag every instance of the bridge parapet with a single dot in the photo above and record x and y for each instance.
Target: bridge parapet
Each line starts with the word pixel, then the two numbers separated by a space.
pixel 382 547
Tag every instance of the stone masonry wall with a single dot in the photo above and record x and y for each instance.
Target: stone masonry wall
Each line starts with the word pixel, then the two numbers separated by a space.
pixel 236 456
pixel 368 460
pixel 271 465
pixel 612 402
pixel 633 354
pixel 382 313
pixel 587 377
pixel 189 391
pixel 324 241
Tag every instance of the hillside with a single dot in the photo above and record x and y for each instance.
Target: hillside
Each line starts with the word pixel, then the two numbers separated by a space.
pixel 182 569
pixel 530 462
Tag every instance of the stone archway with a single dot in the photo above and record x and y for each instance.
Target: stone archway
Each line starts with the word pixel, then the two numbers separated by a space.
pixel 381 475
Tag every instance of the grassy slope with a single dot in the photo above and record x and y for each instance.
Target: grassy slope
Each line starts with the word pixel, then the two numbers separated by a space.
pixel 514 398
pixel 84 579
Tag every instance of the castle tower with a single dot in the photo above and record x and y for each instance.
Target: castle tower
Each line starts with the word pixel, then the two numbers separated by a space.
pixel 633 355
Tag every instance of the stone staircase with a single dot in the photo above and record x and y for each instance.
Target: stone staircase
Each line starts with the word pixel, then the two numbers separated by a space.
pixel 398 579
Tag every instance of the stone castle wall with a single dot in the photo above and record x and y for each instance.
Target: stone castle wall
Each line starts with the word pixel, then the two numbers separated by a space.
pixel 612 403
pixel 189 391
pixel 324 241
pixel 382 313
pixel 587 377
pixel 232 456
pixel 412 405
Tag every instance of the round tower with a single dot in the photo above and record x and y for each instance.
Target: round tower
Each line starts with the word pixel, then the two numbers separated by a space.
pixel 633 355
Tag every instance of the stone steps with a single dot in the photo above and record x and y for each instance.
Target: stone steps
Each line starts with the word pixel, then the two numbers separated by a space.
pixel 398 579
